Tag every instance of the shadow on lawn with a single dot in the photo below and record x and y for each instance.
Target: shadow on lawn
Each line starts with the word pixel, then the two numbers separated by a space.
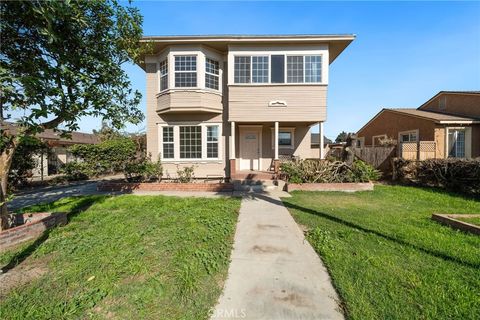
pixel 76 209
pixel 434 253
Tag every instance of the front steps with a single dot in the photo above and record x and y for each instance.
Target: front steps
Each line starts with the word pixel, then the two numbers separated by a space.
pixel 253 185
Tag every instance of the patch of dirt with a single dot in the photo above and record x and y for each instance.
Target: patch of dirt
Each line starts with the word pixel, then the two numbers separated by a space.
pixel 295 299
pixel 22 274
pixel 267 226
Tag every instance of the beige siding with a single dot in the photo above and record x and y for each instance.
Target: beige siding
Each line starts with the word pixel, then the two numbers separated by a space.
pixel 189 101
pixel 304 103
pixel 152 116
pixel 202 169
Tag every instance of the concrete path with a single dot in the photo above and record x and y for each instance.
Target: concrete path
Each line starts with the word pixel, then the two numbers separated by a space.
pixel 274 272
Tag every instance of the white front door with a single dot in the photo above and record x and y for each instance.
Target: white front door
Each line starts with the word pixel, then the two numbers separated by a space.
pixel 250 148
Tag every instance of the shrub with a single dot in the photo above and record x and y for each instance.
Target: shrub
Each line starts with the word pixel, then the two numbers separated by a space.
pixel 454 174
pixel 143 170
pixel 108 156
pixel 324 171
pixel 186 174
pixel 75 171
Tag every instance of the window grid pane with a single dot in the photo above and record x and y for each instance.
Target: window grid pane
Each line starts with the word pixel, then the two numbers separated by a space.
pixel 163 75
pixel 212 66
pixel 242 70
pixel 185 63
pixel 260 69
pixel 190 142
pixel 295 69
pixel 168 143
pixel 313 68
pixel 212 142
pixel 185 79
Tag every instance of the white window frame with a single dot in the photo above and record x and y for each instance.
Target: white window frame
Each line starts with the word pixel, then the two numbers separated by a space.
pixel 197 68
pixel 409 132
pixel 170 142
pixel 286 53
pixel 468 141
pixel 165 59
pixel 212 74
pixel 283 129
pixel 176 141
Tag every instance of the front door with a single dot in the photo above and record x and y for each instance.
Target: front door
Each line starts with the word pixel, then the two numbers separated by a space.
pixel 250 148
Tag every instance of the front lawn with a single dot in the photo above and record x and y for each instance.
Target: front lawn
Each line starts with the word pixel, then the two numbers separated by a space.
pixel 387 258
pixel 127 257
pixel 471 220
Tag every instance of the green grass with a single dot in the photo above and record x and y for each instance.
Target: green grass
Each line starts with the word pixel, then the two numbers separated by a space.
pixel 471 220
pixel 127 257
pixel 387 258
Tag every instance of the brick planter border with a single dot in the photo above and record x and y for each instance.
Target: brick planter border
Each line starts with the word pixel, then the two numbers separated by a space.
pixel 345 187
pixel 449 220
pixel 35 225
pixel 164 186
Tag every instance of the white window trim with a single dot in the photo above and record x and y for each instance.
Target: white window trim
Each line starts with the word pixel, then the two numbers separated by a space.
pixel 212 74
pixel 284 129
pixel 416 131
pixel 165 58
pixel 468 140
pixel 197 68
pixel 176 141
pixel 269 55
pixel 378 136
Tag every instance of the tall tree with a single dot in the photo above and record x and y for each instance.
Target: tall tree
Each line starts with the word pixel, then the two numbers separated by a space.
pixel 60 61
pixel 342 137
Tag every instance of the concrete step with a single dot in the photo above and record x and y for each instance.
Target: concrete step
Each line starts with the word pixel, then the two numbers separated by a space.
pixel 257 185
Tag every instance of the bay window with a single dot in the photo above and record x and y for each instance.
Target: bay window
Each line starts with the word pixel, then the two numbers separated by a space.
pixel 212 142
pixel 190 142
pixel 185 71
pixel 164 75
pixel 168 147
pixel 211 74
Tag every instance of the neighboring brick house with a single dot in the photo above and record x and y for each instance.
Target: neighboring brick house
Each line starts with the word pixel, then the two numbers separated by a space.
pixel 451 119
pixel 236 103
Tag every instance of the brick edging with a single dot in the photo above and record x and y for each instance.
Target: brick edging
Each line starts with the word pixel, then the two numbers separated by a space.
pixel 31 230
pixel 341 186
pixel 164 186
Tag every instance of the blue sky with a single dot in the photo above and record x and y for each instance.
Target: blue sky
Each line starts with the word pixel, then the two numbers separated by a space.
pixel 405 52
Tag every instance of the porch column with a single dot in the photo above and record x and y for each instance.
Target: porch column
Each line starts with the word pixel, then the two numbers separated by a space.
pixel 232 149
pixel 321 142
pixel 275 160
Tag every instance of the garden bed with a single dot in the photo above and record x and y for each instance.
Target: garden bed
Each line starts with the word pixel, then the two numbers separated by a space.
pixel 30 226
pixel 164 186
pixel 341 186
pixel 453 220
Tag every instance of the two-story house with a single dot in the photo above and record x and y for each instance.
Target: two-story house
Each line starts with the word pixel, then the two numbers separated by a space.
pixel 237 103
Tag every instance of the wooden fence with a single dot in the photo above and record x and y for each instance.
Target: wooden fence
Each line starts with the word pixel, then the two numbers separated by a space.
pixel 421 150
pixel 379 157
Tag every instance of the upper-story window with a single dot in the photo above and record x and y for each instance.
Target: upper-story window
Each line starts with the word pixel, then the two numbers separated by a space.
pixel 265 69
pixel 163 75
pixel 211 74
pixel 185 71
pixel 242 69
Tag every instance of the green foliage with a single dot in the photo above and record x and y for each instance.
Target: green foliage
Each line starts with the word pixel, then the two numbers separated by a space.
pixel 342 137
pixel 106 157
pixel 24 160
pixel 76 170
pixel 62 60
pixel 325 171
pixel 129 257
pixel 143 170
pixel 387 258
pixel 186 174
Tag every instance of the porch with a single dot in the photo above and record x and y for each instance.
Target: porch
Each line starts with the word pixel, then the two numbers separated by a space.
pixel 256 149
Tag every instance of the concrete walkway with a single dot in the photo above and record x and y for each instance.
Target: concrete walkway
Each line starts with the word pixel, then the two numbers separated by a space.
pixel 274 272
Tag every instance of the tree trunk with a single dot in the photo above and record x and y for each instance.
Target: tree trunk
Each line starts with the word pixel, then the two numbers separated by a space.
pixel 6 158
